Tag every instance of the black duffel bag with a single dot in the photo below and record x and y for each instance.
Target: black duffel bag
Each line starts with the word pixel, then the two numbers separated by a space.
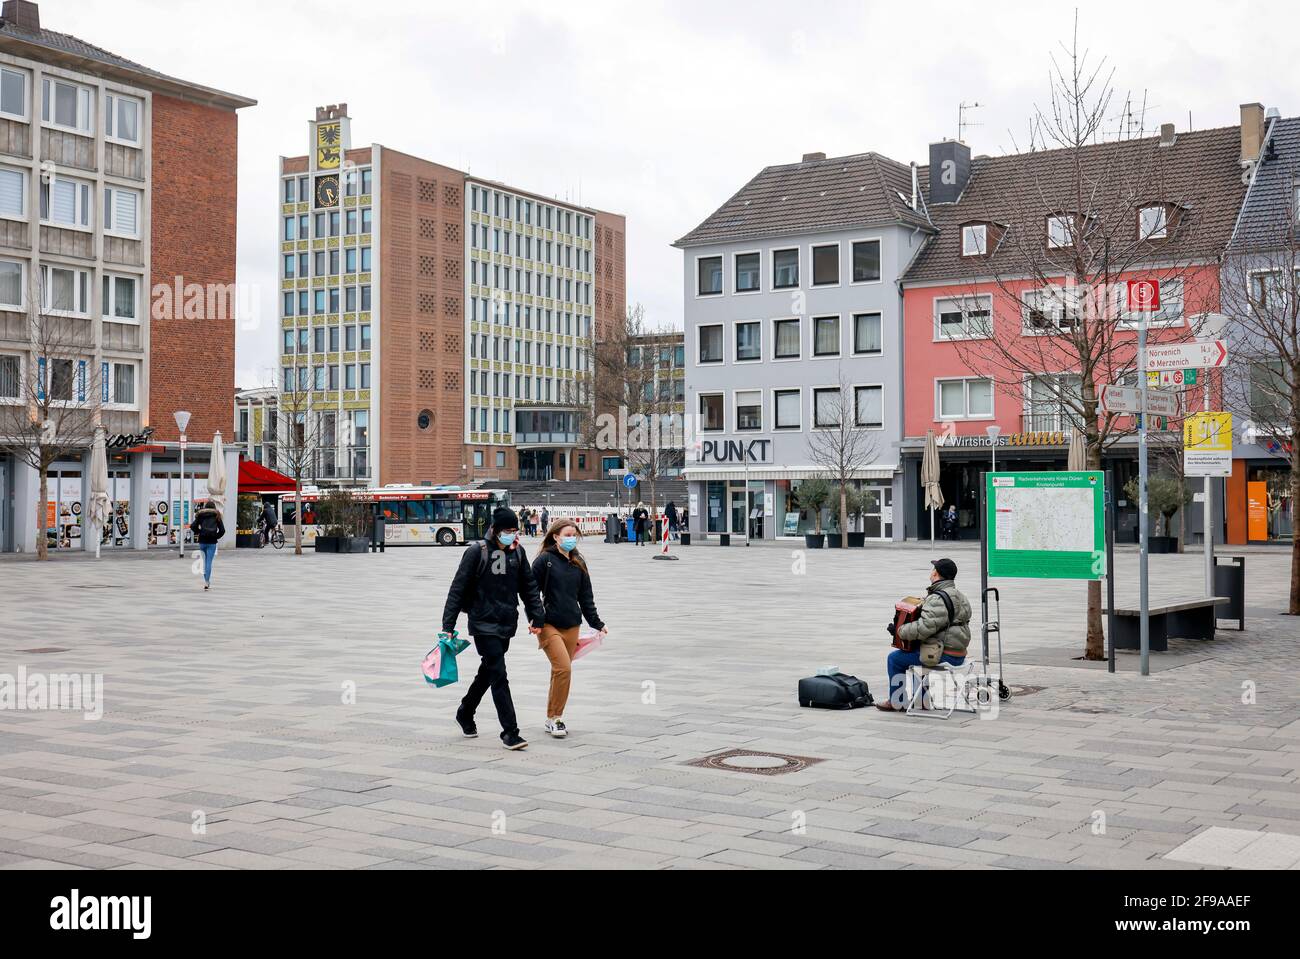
pixel 834 692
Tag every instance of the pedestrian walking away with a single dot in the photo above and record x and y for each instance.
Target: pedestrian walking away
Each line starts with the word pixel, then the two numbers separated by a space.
pixel 546 519
pixel 565 584
pixel 208 529
pixel 941 634
pixel 640 523
pixel 670 512
pixel 491 581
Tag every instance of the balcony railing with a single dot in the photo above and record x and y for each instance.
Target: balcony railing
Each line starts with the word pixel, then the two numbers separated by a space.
pixel 1049 421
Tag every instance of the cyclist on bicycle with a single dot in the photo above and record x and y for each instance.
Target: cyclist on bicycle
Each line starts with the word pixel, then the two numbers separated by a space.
pixel 267 522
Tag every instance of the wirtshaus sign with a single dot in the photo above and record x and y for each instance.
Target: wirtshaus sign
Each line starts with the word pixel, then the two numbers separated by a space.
pixel 1044 525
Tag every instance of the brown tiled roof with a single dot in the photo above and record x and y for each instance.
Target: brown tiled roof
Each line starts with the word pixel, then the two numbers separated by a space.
pixel 813 197
pixel 1269 211
pixel 1200 173
pixel 67 45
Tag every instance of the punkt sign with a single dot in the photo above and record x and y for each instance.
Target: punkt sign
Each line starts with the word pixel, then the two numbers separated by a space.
pixel 736 451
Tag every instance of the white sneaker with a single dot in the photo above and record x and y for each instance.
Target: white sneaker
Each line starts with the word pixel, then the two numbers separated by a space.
pixel 557 728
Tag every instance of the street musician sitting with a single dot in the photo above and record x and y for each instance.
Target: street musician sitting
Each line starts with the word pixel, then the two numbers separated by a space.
pixel 937 631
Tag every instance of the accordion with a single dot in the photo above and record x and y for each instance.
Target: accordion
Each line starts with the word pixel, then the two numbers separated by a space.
pixel 906 610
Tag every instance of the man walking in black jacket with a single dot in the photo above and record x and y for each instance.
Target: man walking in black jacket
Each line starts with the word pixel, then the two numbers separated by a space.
pixel 492 578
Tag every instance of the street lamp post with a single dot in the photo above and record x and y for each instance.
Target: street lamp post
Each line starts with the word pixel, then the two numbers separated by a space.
pixel 994 432
pixel 182 421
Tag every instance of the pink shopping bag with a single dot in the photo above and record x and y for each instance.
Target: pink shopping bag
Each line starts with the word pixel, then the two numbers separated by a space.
pixel 586 643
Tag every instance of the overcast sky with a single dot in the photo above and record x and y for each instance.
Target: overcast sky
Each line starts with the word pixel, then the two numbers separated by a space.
pixel 662 110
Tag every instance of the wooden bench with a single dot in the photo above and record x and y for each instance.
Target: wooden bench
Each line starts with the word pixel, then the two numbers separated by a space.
pixel 1188 619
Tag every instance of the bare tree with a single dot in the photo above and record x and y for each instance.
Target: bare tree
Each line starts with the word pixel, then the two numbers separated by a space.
pixel 304 436
pixel 49 397
pixel 840 445
pixel 1261 297
pixel 1046 315
pixel 632 391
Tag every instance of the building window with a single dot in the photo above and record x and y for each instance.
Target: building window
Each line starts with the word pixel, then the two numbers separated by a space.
pixel 711 412
pixel 826 408
pixel 826 265
pixel 1051 310
pixel 826 336
pixel 12 286
pixel 67 105
pixel 123 386
pixel 749 341
pixel 304 189
pixel 749 410
pixel 867 334
pixel 786 407
pixel 960 319
pixel 13 94
pixel 709 275
pixel 869 407
pixel 122 119
pixel 785 269
pixel 965 399
pixel 787 344
pixel 501 459
pixel 975 240
pixel 13 194
pixel 120 299
pixel 1060 231
pixel 478 459
pixel 866 261
pixel 365 376
pixel 1153 222
pixel 333 376
pixel 365 336
pixel 290 191
pixel 350 376
pixel 60 378
pixel 748 269
pixel 711 344
pixel 122 212
pixel 1051 402
pixel 10 377
pixel 66 202
pixel 367 222
pixel 65 290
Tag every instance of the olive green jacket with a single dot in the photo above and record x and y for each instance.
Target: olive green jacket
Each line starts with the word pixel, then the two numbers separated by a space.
pixel 932 626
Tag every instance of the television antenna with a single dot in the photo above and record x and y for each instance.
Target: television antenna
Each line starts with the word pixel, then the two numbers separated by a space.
pixel 963 124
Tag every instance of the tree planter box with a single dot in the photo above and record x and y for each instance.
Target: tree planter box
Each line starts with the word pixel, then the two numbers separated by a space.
pixel 814 540
pixel 248 541
pixel 354 544
pixel 834 541
pixel 327 544
pixel 1162 544
pixel 857 540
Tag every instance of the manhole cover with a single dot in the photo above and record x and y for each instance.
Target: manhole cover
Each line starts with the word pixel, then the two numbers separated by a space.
pixel 44 649
pixel 757 763
pixel 100 586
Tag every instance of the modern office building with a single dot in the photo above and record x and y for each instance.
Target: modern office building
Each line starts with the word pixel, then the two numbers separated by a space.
pixel 793 322
pixel 436 326
pixel 117 228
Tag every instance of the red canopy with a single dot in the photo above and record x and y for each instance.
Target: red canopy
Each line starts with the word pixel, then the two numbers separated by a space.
pixel 256 478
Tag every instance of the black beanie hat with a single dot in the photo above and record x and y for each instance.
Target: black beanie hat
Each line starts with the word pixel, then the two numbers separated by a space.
pixel 946 568
pixel 504 518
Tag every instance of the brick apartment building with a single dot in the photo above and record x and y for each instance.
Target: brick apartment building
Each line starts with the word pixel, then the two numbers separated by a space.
pixel 436 326
pixel 117 213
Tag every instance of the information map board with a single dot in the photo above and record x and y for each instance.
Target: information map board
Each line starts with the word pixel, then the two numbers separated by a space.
pixel 1046 525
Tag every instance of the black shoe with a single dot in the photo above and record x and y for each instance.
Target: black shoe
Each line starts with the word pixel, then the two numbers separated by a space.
pixel 513 741
pixel 467 727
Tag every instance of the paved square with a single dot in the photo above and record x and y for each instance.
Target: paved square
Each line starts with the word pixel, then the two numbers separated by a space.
pixel 281 721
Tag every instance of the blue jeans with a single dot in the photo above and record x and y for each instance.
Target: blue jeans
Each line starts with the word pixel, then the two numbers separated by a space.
pixel 209 551
pixel 900 662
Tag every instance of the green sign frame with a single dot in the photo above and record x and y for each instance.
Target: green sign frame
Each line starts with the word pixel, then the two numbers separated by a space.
pixel 1023 510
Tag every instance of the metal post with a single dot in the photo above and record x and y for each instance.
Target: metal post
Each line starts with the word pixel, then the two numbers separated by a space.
pixel 1207 513
pixel 180 533
pixel 981 513
pixel 1110 569
pixel 1144 621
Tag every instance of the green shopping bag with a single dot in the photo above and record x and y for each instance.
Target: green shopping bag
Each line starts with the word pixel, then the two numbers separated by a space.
pixel 439 665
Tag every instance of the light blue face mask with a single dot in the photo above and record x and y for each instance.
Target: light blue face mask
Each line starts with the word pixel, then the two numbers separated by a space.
pixel 506 539
pixel 569 544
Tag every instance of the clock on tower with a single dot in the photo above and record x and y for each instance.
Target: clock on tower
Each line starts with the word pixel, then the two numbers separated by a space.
pixel 327 191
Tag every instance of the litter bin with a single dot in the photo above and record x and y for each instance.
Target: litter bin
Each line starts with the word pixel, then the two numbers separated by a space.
pixel 1230 581
pixel 377 535
pixel 611 528
pixel 686 537
pixel 724 539
pixel 631 530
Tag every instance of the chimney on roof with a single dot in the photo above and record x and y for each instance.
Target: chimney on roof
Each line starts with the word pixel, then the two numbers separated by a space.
pixel 22 13
pixel 1167 135
pixel 813 157
pixel 949 170
pixel 1252 132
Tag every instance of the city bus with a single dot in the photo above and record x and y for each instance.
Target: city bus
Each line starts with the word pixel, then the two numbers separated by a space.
pixel 413 515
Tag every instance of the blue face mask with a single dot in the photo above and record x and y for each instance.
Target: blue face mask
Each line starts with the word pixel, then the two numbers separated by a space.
pixel 506 539
pixel 569 544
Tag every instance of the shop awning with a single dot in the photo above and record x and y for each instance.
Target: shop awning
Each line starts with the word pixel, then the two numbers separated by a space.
pixel 256 478
pixel 879 472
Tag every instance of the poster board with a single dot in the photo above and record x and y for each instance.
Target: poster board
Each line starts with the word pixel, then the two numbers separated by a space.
pixel 1046 525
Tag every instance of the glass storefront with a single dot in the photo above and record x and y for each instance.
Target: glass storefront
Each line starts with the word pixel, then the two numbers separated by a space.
pixel 170 503
pixel 771 509
pixel 63 505
pixel 1270 511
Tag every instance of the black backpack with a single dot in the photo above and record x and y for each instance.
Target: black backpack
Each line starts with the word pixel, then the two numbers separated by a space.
pixel 834 692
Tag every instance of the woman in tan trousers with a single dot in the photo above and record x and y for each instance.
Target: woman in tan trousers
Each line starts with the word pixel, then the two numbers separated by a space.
pixel 565 585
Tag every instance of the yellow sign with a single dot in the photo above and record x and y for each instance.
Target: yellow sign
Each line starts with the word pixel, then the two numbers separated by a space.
pixel 329 145
pixel 1208 432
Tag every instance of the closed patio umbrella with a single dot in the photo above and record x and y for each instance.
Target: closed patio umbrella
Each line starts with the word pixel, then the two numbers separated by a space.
pixel 217 474
pixel 930 477
pixel 1078 459
pixel 100 505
